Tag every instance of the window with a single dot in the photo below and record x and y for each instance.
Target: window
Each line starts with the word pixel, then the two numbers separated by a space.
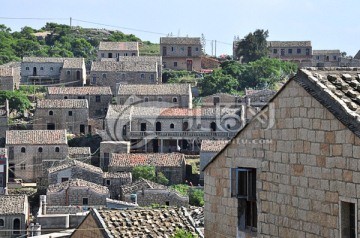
pixel 175 64
pixel 159 99
pixel 164 64
pixel 146 99
pixel 64 179
pixel 2 223
pixel 197 49
pixel 334 57
pixel 216 100
pixel 348 219
pixel 94 79
pixel 97 98
pixel 123 76
pixel 85 201
pixel 298 51
pixel 133 54
pixel 172 48
pixel 51 113
pixel 152 78
pixel 275 51
pixel 16 226
pixel 131 100
pixel 65 97
pixel 142 76
pixel 22 166
pixel 57 149
pixel 41 68
pixel 174 99
pixel 27 68
pixel 70 113
pixel 108 182
pixel 307 51
pixel 68 72
pixel 81 97
pixel 23 150
pixel 289 51
pixel 109 55
pixel 102 55
pixel 51 68
pixel 243 183
pixel 104 76
pixel 40 149
pixel 282 51
pixel 317 57
pixel 172 126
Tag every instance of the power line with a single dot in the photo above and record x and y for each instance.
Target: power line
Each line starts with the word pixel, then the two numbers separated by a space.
pixel 32 18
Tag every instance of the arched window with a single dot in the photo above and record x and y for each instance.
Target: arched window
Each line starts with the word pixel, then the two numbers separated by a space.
pixel 104 76
pixel 23 150
pixel 2 223
pixel 51 68
pixel 142 76
pixel 57 149
pixel 40 149
pixel 65 97
pixel 158 126
pixel 146 99
pixel 174 99
pixel 172 126
pixel 159 99
pixel 213 126
pixel 68 72
pixel 16 226
pixel 51 113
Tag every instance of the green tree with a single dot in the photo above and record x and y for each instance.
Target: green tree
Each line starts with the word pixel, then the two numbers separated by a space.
pixel 181 233
pixel 196 197
pixel 17 100
pixel 161 179
pixel 253 46
pixel 149 172
pixel 218 82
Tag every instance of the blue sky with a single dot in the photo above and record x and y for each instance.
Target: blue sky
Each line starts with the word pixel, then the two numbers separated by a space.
pixel 329 24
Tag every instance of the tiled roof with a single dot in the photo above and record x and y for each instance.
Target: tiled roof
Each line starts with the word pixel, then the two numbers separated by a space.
pixel 357 56
pixel 80 90
pixel 75 163
pixel 145 222
pixel 337 89
pixel 36 137
pixel 158 89
pixel 109 175
pixel 180 40
pixel 12 204
pixel 289 43
pixel 73 183
pixel 322 52
pixel 62 103
pixel 79 151
pixel 141 183
pixel 43 60
pixel 74 63
pixel 121 46
pixel 155 159
pixel 118 111
pixel 150 59
pixel 123 66
pixel 182 112
pixel 6 71
pixel 197 214
pixel 213 145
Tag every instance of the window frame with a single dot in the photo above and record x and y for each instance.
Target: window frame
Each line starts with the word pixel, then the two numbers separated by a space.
pixel 87 201
pixel 248 193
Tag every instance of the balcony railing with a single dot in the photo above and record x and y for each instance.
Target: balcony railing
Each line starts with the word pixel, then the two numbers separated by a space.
pixel 181 134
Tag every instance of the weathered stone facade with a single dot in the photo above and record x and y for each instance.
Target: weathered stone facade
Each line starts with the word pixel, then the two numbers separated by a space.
pixel 181 53
pixel 155 60
pixel 114 182
pixel 28 149
pixel 109 147
pixel 306 164
pixel 113 50
pixel 9 76
pixel 69 114
pixel 147 197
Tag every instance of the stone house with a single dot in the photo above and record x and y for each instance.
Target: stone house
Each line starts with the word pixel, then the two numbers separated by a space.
pixel 14 215
pixel 115 181
pixel 109 147
pixel 154 129
pixel 27 149
pixel 299 52
pixel 297 174
pixel 10 76
pixel 4 173
pixel 57 114
pixel 181 53
pixel 135 223
pixel 148 193
pixel 113 50
pixel 208 150
pixel 220 99
pixel 50 70
pixel 98 97
pixel 112 74
pixel 326 58
pixel 77 192
pixel 154 60
pixel 171 165
pixel 83 153
pixel 162 95
pixel 4 118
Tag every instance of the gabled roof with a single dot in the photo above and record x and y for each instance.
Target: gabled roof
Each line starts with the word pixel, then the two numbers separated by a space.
pixel 156 89
pixel 12 204
pixel 36 137
pixel 74 183
pixel 123 66
pixel 357 56
pixel 155 159
pixel 79 151
pixel 119 46
pixel 289 43
pixel 111 175
pixel 140 184
pixel 75 163
pixel 213 145
pixel 142 58
pixel 143 222
pixel 323 52
pixel 180 40
pixel 67 62
pixel 79 90
pixel 62 103
pixel 335 88
pixel 74 63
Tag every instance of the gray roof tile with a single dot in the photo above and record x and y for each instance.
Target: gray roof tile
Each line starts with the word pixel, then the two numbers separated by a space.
pixel 75 163
pixel 36 137
pixel 80 90
pixel 155 159
pixel 12 204
pixel 180 40
pixel 119 46
pixel 213 145
pixel 62 103
pixel 158 89
pixel 73 183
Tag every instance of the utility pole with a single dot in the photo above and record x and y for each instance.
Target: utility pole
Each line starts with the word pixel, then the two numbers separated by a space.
pixel 215 48
pixel 70 21
pixel 212 47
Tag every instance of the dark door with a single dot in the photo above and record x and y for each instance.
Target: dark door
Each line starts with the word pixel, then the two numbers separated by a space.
pixel 158 126
pixel 185 126
pixel 189 64
pixel 11 171
pixel 164 51
pixel 82 128
pixel 155 146
pixel 189 51
pixel 34 71
pixel 78 75
pixel 51 126
pixel 110 55
pixel 143 127
pixel 213 126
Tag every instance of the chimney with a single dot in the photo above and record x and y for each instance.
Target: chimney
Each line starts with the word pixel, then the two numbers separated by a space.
pixel 43 204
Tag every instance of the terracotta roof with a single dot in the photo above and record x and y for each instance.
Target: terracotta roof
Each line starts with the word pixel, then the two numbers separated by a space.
pixel 123 66
pixel 73 183
pixel 182 112
pixel 110 175
pixel 6 71
pixel 145 222
pixel 180 40
pixel 79 151
pixel 62 103
pixel 119 46
pixel 12 204
pixel 155 159
pixel 74 63
pixel 213 145
pixel 157 89
pixel 139 184
pixel 75 163
pixel 80 90
pixel 322 52
pixel 118 111
pixel 289 43
pixel 36 137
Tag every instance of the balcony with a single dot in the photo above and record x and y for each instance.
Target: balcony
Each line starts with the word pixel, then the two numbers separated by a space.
pixel 181 134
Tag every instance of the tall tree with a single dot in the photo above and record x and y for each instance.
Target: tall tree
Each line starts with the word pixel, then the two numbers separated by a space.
pixel 253 46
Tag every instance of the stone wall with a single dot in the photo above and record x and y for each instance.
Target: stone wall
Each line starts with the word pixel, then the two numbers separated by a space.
pixel 6 231
pixel 88 228
pixel 109 147
pixel 3 126
pixel 181 63
pixel 183 101
pixel 75 172
pixel 148 197
pixel 74 196
pixel 50 69
pixel 306 165
pixel 7 83
pixel 63 209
